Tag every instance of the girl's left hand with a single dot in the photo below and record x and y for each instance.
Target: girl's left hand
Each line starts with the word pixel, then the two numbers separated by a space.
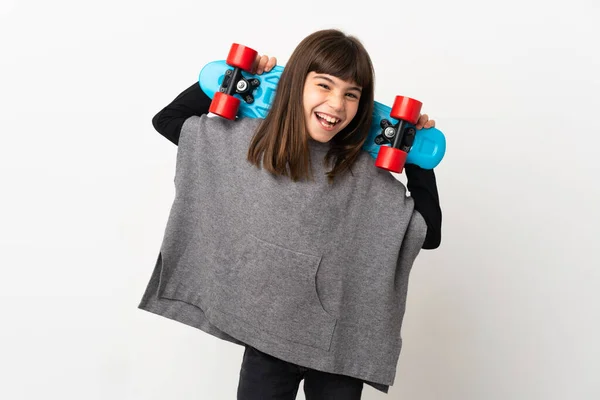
pixel 424 122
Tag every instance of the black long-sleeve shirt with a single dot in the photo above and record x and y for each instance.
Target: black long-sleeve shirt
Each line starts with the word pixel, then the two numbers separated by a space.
pixel 420 182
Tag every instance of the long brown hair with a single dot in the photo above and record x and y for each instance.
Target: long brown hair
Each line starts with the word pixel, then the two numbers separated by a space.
pixel 280 143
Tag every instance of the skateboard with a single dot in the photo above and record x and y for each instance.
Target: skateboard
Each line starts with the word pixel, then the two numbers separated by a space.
pixel 393 140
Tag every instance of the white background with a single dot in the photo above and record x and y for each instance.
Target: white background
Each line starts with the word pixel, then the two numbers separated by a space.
pixel 507 308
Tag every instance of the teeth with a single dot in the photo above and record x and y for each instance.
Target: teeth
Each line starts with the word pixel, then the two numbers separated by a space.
pixel 329 119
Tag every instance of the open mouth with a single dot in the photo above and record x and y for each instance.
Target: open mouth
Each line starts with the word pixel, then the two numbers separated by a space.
pixel 326 120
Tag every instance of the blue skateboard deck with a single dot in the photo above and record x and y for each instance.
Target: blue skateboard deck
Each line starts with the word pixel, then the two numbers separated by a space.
pixel 428 148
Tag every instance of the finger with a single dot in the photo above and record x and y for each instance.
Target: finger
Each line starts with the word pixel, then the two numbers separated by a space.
pixel 271 64
pixel 261 64
pixel 422 120
pixel 429 124
pixel 256 62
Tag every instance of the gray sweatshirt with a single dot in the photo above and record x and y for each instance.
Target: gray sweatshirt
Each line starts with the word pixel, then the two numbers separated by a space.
pixel 311 273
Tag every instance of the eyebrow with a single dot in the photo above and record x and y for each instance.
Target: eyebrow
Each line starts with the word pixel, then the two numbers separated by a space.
pixel 357 88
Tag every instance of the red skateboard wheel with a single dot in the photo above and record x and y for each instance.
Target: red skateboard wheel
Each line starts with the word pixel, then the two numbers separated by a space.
pixel 406 109
pixel 391 159
pixel 225 105
pixel 241 57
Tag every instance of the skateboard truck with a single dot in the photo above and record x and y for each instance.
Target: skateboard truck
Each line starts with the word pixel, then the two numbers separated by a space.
pixel 224 104
pixel 401 136
pixel 235 83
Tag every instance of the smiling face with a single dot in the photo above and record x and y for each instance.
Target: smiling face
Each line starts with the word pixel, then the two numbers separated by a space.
pixel 330 104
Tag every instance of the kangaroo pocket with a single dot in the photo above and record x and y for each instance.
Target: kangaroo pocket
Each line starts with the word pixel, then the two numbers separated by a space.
pixel 274 290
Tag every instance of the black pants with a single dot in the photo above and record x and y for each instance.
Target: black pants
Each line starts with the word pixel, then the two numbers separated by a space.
pixel 263 377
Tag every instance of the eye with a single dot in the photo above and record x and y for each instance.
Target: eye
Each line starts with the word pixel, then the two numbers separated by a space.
pixel 323 85
pixel 352 95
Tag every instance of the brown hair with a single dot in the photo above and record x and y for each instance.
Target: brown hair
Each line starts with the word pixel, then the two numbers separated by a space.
pixel 280 143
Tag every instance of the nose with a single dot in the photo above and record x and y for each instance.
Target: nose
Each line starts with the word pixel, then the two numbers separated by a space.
pixel 336 101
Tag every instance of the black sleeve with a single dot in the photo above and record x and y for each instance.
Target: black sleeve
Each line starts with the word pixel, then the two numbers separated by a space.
pixel 169 120
pixel 423 189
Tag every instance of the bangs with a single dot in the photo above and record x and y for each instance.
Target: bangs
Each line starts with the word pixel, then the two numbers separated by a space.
pixel 344 61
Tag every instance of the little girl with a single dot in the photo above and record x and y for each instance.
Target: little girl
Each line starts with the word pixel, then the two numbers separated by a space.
pixel 284 237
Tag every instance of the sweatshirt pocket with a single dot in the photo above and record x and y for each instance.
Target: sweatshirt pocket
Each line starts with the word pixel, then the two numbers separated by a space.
pixel 274 289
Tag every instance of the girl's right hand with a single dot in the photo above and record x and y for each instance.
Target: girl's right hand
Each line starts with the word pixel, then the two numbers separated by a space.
pixel 264 63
